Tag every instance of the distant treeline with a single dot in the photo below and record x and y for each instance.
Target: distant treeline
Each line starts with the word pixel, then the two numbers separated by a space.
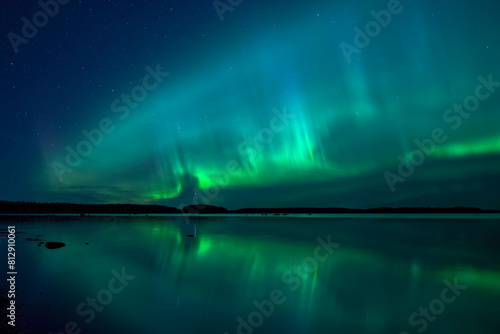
pixel 33 207
pixel 204 209
pixel 50 208
pixel 375 210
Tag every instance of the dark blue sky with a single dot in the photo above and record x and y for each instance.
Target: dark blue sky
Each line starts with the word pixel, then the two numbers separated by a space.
pixel 317 103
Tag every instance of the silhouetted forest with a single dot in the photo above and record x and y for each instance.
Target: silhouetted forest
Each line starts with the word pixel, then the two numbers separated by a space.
pixel 204 209
pixel 50 208
pixel 33 207
pixel 375 210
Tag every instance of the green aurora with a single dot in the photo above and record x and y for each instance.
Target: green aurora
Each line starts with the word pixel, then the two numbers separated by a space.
pixel 216 130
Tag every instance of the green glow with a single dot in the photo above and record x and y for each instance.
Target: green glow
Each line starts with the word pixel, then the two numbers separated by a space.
pixel 490 146
pixel 350 122
pixel 478 278
pixel 227 266
pixel 204 246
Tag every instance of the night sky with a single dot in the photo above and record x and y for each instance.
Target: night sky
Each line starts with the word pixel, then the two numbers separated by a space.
pixel 256 104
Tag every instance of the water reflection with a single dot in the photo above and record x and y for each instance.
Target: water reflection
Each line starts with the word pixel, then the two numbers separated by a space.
pixel 202 275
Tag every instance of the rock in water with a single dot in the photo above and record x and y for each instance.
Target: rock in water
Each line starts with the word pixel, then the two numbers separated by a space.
pixel 54 245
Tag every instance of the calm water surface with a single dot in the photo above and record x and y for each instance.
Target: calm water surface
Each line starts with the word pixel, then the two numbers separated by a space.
pixel 254 274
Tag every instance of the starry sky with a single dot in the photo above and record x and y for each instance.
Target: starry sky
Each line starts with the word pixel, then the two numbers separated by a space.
pixel 251 103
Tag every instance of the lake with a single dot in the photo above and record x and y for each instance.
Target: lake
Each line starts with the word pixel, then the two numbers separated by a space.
pixel 257 274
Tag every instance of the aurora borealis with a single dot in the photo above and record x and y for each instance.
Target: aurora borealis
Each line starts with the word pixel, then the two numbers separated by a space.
pixel 261 109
